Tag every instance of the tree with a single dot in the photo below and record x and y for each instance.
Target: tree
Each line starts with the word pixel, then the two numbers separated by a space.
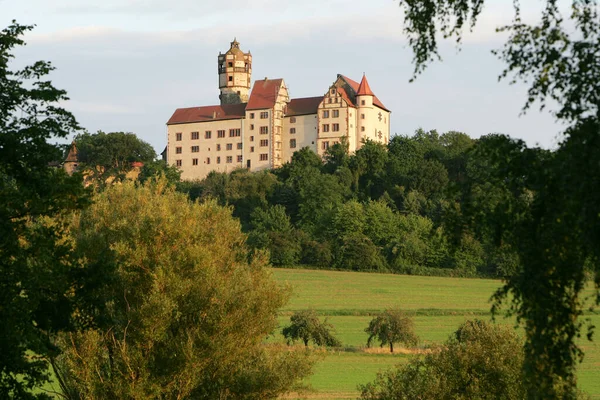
pixel 111 154
pixel 156 168
pixel 480 361
pixel 186 309
pixel 272 230
pixel 556 238
pixel 38 276
pixel 306 326
pixel 392 326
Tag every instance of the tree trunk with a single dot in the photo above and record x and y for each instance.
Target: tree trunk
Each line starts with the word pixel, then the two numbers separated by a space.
pixel 391 347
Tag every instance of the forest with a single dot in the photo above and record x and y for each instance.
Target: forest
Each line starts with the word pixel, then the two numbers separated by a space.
pixel 425 204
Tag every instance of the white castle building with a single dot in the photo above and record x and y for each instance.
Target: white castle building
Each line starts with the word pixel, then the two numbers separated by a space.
pixel 261 128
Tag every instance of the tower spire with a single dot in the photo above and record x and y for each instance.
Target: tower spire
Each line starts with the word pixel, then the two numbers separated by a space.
pixel 364 89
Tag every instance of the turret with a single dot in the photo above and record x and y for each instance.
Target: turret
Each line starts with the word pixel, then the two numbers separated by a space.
pixel 235 74
pixel 364 103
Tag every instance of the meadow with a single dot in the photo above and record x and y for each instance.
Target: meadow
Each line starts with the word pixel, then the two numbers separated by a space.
pixel 439 306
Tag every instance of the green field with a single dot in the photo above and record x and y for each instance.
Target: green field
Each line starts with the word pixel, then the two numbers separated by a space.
pixel 439 306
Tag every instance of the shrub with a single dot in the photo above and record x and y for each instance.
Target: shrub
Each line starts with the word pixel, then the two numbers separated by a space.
pixel 480 361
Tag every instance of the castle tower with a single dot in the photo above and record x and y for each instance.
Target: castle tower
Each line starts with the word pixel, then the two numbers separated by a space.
pixel 364 102
pixel 235 73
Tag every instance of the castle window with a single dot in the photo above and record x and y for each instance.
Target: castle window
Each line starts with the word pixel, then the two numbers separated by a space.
pixel 178 136
pixel 195 135
pixel 239 158
pixel 264 115
pixel 264 157
pixel 207 135
pixel 251 127
pixel 218 160
pixel 238 92
pixel 336 113
pixel 362 116
pixel 177 150
pixel 362 102
pixel 292 130
pixel 178 163
pixel 221 133
pixel 335 127
pixel 229 146
pixel 218 147
pixel 251 115
pixel 325 127
pixel 252 149
pixel 230 64
pixel 292 120
pixel 329 100
pixel 231 79
pixel 292 143
pixel 252 138
pixel 239 146
pixel 264 143
pixel 326 114
pixel 229 159
pixel 264 129
pixel 362 128
pixel 208 160
pixel 195 149
pixel 194 161
pixel 332 92
pixel 234 132
pixel 325 145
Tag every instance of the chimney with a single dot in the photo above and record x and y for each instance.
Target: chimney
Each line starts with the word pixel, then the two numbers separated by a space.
pixel 214 114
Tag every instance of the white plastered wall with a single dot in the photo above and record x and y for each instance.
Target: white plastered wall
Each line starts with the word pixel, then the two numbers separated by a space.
pixel 207 147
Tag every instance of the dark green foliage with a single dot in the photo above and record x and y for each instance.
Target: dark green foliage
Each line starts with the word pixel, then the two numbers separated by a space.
pixel 480 361
pixel 157 168
pixel 551 216
pixel 306 326
pixel 392 326
pixel 394 208
pixel 111 154
pixel 39 281
pixel 272 230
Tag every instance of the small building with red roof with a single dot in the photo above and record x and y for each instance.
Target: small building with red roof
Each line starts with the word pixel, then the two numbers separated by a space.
pixel 261 128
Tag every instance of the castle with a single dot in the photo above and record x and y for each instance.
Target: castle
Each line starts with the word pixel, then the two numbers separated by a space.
pixel 261 128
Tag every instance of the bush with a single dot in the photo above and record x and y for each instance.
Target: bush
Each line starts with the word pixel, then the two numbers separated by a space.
pixel 480 361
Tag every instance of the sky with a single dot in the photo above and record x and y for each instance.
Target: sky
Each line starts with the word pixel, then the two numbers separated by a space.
pixel 128 64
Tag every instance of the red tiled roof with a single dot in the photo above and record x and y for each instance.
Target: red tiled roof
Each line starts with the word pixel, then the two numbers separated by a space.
pixel 364 89
pixel 264 94
pixel 303 106
pixel 207 113
pixel 355 85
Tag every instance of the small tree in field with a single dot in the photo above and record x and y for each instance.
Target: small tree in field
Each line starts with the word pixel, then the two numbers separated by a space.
pixel 306 326
pixel 393 326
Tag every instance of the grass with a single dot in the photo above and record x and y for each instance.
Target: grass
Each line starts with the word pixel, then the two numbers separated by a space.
pixel 439 306
pixel 356 293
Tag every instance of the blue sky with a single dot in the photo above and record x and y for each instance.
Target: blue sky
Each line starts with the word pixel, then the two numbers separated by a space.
pixel 128 64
